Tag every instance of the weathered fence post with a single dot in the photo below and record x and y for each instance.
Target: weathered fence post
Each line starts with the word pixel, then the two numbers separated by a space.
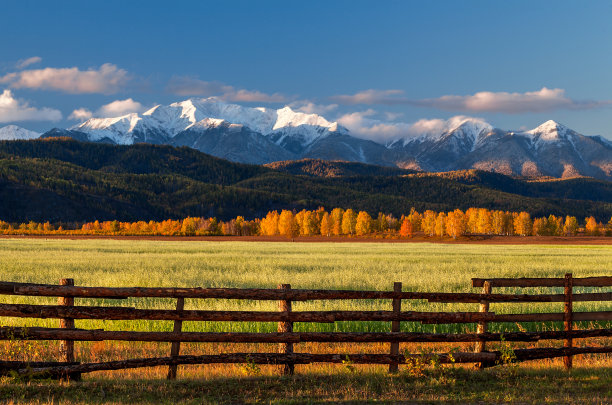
pixel 395 326
pixel 483 325
pixel 67 346
pixel 176 346
pixel 567 318
pixel 285 348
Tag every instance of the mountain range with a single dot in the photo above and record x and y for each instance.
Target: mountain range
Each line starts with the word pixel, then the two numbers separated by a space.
pixel 262 135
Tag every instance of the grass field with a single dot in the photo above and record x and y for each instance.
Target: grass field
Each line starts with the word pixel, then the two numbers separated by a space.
pixel 419 266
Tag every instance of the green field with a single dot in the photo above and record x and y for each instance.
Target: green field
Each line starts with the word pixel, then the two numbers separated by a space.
pixel 419 266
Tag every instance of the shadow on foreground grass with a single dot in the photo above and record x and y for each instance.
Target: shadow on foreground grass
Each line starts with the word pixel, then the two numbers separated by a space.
pixel 581 385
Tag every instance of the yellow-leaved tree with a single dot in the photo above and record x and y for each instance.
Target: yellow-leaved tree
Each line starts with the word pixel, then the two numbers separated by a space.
pixel 455 224
pixel 287 225
pixel 336 221
pixel 326 225
pixel 523 224
pixel 363 226
pixel 591 226
pixel 349 220
pixel 570 227
pixel 440 227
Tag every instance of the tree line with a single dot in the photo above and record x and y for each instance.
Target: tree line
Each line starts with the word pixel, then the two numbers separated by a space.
pixel 337 222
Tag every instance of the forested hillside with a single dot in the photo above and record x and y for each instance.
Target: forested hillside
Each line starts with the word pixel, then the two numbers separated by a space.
pixel 66 180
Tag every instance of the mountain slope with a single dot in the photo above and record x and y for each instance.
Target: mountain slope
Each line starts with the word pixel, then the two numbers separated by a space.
pixel 334 168
pixel 66 180
pixel 13 132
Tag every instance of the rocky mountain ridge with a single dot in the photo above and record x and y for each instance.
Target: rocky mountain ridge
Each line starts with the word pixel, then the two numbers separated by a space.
pixel 263 135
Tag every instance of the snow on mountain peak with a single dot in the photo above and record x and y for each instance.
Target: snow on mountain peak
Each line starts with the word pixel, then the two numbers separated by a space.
pixel 469 125
pixel 177 117
pixel 13 132
pixel 549 132
pixel 436 129
pixel 119 129
pixel 286 117
pixel 549 127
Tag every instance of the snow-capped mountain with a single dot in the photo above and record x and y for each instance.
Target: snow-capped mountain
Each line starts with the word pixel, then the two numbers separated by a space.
pixel 13 132
pixel 263 135
pixel 439 150
pixel 196 114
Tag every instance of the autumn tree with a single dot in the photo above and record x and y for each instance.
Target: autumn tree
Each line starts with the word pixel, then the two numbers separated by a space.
pixel 325 227
pixel 429 222
pixel 336 221
pixel 471 216
pixel 363 225
pixel 349 220
pixel 269 224
pixel 540 227
pixel 484 221
pixel 498 222
pixel 188 226
pixel 440 225
pixel 455 224
pixel 523 224
pixel 394 223
pixel 407 229
pixel 570 227
pixel 591 226
pixel 415 218
pixel 309 224
pixel 381 222
pixel 287 225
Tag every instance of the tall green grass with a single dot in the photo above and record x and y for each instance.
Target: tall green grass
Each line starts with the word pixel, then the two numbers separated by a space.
pixel 362 266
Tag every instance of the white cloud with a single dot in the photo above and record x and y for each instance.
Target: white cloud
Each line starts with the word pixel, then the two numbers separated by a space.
pixel 113 109
pixel 27 62
pixel 542 100
pixel 13 110
pixel 363 125
pixel 309 107
pixel 107 79
pixel 189 86
pixel 80 114
pixel 120 107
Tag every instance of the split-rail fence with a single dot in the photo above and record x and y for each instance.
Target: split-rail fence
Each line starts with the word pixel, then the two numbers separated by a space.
pixel 286 357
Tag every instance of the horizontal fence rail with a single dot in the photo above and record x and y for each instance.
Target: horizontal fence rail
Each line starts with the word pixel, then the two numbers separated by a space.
pixel 8 288
pixel 604 281
pixel 286 338
pixel 7 333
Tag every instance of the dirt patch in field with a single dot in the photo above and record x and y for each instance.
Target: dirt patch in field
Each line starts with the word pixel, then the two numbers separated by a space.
pixel 474 239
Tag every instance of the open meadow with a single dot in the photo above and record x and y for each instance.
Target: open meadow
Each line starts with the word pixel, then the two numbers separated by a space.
pixel 423 267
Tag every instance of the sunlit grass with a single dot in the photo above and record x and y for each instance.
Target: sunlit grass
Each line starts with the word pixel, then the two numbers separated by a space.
pixel 361 266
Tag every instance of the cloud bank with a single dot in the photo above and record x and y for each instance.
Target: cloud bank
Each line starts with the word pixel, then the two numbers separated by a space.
pixel 543 100
pixel 363 125
pixel 189 86
pixel 13 110
pixel 107 79
pixel 309 107
pixel 113 109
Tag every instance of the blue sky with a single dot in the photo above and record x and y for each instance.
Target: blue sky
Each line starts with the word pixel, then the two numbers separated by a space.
pixel 377 66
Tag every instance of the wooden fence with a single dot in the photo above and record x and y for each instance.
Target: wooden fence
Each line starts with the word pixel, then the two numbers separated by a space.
pixel 286 358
